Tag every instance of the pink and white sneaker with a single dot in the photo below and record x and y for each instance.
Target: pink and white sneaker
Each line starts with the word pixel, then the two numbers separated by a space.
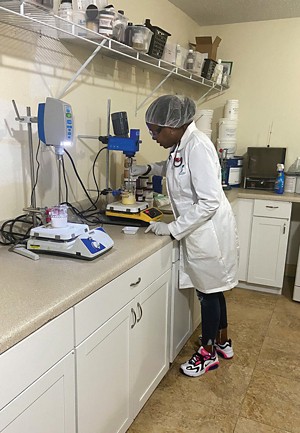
pixel 201 362
pixel 225 350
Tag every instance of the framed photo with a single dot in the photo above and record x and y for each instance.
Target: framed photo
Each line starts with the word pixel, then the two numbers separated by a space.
pixel 227 67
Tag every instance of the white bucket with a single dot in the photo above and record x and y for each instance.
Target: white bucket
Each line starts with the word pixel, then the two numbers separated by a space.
pixel 231 109
pixel 203 119
pixel 227 129
pixel 228 147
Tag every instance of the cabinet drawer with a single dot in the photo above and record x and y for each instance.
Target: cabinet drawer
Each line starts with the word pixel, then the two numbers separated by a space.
pixel 28 360
pixel 272 208
pixel 93 311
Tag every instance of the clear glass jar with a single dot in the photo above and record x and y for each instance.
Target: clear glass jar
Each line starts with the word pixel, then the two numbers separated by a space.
pixel 128 192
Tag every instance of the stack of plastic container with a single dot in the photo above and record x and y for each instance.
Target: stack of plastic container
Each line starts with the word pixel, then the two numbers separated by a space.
pixel 226 145
pixel 203 121
pixel 228 127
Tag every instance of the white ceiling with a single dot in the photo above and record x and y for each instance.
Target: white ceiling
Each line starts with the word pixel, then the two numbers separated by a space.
pixel 212 12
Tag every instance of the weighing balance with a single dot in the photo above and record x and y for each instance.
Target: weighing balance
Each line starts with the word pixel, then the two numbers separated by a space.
pixel 75 240
pixel 138 213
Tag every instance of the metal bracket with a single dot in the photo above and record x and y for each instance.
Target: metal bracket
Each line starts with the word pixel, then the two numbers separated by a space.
pixel 153 91
pixel 82 67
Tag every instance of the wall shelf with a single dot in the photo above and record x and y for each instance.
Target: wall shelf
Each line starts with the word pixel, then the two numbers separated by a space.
pixel 38 19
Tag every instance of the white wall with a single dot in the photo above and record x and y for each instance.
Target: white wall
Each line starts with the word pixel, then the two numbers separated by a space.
pixel 34 67
pixel 265 80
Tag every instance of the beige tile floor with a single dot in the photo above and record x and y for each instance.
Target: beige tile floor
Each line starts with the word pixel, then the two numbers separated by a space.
pixel 258 391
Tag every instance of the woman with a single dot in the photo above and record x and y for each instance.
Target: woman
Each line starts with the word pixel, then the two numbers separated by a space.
pixel 204 223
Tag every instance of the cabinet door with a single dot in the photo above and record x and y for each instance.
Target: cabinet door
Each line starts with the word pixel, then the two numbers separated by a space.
pixel 48 405
pixel 103 377
pixel 150 337
pixel 268 251
pixel 181 314
pixel 243 213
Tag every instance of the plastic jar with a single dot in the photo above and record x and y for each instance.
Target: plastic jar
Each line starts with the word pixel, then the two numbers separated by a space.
pixel 65 11
pixel 106 22
pixel 79 18
pixel 92 18
pixel 141 38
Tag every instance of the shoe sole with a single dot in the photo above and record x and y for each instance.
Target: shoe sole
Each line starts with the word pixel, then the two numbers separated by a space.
pixel 210 367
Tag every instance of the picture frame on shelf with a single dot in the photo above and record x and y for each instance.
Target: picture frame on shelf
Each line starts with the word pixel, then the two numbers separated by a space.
pixel 227 67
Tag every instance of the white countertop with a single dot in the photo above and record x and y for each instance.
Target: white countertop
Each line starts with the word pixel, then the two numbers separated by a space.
pixel 261 195
pixel 34 292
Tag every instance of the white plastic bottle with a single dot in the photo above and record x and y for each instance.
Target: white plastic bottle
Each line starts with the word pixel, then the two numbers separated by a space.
pixel 79 18
pixel 178 56
pixel 190 61
pixel 65 10
pixel 218 73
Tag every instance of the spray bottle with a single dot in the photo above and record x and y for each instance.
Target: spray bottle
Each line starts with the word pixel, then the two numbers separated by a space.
pixel 279 183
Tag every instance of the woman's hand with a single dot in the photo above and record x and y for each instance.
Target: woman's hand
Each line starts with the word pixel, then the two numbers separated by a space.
pixel 159 228
pixel 139 170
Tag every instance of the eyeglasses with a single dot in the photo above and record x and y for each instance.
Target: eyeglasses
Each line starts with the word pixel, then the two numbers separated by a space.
pixel 155 134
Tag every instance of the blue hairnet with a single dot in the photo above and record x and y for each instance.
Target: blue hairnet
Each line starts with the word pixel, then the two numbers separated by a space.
pixel 171 110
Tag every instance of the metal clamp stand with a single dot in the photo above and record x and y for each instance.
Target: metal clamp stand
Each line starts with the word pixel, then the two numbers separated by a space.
pixel 28 119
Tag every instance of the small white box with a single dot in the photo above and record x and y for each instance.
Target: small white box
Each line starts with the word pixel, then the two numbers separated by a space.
pixel 128 230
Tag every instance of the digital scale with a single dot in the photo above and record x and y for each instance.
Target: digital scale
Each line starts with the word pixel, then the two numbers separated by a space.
pixel 75 240
pixel 138 213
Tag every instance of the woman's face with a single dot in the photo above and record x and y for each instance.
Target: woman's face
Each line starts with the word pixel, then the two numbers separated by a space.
pixel 165 136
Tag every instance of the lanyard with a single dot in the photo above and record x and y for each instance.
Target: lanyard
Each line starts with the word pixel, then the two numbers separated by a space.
pixel 177 160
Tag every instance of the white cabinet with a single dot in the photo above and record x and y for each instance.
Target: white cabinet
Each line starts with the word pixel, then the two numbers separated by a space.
pixel 120 364
pixel 103 375
pixel 38 381
pixel 181 309
pixel 270 231
pixel 243 214
pixel 150 335
pixel 263 227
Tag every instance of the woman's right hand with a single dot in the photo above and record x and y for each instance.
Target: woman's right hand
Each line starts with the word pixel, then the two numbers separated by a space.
pixel 139 170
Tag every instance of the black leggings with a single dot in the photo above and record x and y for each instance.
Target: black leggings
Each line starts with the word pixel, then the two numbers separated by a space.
pixel 214 315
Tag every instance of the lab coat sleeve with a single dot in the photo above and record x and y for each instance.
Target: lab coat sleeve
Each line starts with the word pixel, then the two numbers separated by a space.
pixel 158 168
pixel 203 184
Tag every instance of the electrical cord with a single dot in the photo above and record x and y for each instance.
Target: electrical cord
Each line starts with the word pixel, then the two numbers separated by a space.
pixel 37 171
pixel 80 181
pixel 93 171
pixel 16 230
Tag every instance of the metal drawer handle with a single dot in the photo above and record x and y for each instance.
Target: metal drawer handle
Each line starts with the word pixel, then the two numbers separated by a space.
pixel 134 317
pixel 272 207
pixel 136 283
pixel 140 311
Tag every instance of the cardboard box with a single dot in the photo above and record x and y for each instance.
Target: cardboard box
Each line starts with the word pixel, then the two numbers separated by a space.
pixel 205 45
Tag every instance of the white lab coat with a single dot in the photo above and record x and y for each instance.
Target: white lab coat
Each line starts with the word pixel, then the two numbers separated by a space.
pixel 204 221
